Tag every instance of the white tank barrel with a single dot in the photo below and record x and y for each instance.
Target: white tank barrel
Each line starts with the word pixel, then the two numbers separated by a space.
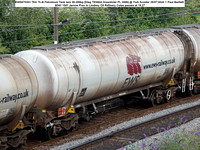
pixel 103 68
pixel 18 88
pixel 194 35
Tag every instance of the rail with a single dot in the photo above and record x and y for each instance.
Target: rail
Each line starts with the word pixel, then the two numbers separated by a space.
pixel 132 126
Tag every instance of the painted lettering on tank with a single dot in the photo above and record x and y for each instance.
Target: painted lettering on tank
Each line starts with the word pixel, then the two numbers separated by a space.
pixel 14 97
pixel 130 81
pixel 160 63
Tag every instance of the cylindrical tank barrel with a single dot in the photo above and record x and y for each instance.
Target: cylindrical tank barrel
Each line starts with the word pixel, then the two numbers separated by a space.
pixel 194 35
pixel 103 68
pixel 18 88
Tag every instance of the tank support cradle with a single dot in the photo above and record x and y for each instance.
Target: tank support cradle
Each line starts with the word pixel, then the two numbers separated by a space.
pixel 14 140
pixel 158 96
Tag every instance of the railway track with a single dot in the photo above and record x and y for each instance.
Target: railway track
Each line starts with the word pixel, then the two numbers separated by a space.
pixel 118 138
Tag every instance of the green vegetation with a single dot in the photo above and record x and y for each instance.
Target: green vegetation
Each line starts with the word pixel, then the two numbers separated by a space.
pixel 83 23
pixel 4 50
pixel 183 137
pixel 183 141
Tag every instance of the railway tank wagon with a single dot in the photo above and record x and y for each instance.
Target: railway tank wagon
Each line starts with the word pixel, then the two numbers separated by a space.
pixel 103 68
pixel 190 36
pixel 18 92
pixel 95 70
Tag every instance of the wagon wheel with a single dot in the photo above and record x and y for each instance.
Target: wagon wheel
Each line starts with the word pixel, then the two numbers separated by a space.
pixel 49 134
pixel 75 127
pixel 153 98
pixel 191 92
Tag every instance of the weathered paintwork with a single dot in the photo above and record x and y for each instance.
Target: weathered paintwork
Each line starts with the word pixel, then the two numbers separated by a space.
pixel 18 87
pixel 194 35
pixel 103 68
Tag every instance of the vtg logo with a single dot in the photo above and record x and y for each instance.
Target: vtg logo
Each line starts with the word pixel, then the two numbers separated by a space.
pixel 133 64
pixel 134 69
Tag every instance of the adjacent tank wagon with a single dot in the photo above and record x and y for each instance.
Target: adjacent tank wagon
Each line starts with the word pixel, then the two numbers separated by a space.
pixel 18 92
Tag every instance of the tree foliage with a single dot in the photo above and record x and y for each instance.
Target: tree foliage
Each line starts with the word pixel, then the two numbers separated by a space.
pixel 83 23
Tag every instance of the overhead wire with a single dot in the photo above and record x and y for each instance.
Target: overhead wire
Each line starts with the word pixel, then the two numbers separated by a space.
pixel 42 24
pixel 124 24
pixel 39 25
pixel 102 21
pixel 133 18
pixel 21 41
pixel 102 13
pixel 11 30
